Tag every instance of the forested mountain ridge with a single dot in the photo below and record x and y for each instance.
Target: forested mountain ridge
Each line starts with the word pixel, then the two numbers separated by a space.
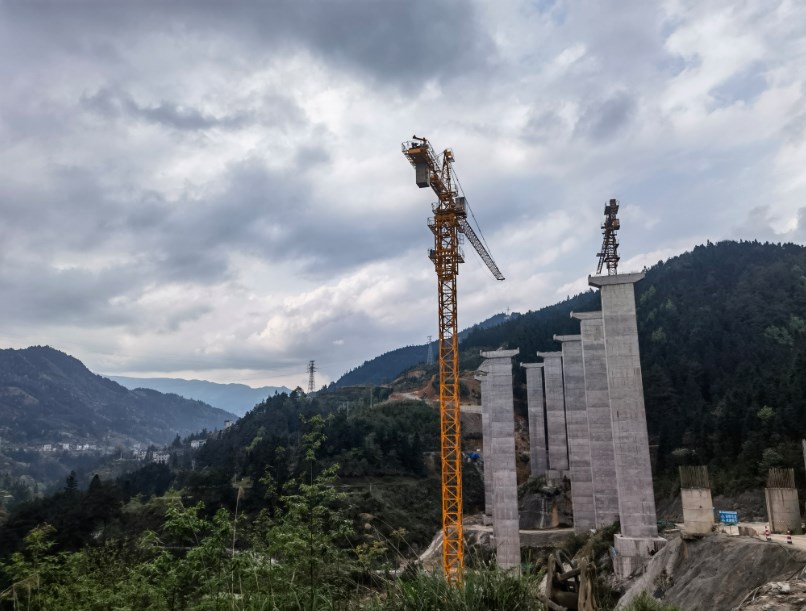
pixel 47 396
pixel 722 331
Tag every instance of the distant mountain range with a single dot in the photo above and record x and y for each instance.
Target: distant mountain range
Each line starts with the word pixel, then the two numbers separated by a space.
pixel 48 396
pixel 235 398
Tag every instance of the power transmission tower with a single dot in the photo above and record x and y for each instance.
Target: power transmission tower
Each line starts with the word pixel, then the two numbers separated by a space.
pixel 311 379
pixel 429 357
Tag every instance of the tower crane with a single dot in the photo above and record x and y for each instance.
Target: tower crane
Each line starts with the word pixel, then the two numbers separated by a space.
pixel 448 225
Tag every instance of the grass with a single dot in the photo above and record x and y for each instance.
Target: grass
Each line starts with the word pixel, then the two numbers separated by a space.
pixel 646 603
pixel 489 589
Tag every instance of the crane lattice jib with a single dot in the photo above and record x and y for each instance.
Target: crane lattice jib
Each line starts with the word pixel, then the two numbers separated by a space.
pixel 448 223
pixel 466 229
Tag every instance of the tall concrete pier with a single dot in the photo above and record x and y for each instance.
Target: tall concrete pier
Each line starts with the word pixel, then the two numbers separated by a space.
pixel 555 415
pixel 498 365
pixel 695 494
pixel 576 419
pixel 597 398
pixel 639 531
pixel 538 457
pixel 783 507
pixel 486 445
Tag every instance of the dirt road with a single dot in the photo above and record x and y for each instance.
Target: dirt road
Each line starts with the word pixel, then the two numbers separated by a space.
pixel 797 540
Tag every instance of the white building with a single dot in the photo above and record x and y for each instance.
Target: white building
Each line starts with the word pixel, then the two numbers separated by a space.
pixel 160 457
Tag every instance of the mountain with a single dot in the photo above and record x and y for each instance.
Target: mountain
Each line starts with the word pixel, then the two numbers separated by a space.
pixel 48 396
pixel 235 398
pixel 388 366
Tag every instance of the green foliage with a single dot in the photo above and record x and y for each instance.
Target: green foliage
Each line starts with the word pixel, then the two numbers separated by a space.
pixel 658 336
pixel 488 589
pixel 770 459
pixel 575 542
pixel 765 414
pixel 644 602
pixel 302 557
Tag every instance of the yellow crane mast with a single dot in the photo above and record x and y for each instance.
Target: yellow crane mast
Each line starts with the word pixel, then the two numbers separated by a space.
pixel 448 224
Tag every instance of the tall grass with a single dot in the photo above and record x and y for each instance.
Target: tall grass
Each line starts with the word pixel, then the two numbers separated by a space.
pixel 489 589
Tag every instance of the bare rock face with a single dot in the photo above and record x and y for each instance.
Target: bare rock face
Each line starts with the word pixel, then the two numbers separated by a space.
pixel 719 572
pixel 548 507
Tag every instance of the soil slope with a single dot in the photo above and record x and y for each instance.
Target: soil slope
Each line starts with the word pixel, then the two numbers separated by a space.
pixel 715 572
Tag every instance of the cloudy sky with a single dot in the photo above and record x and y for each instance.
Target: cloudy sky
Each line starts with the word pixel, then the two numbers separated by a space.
pixel 215 189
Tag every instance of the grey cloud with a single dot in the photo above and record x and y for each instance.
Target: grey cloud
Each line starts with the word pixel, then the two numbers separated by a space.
pixel 400 42
pixel 37 293
pixel 116 103
pixel 799 232
pixel 794 131
pixel 364 335
pixel 604 119
pixel 545 126
pixel 757 225
pixel 239 355
pixel 274 215
pixel 741 87
pixel 260 212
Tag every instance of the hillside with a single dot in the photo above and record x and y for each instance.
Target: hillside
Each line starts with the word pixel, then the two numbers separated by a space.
pixel 234 398
pixel 47 396
pixel 386 367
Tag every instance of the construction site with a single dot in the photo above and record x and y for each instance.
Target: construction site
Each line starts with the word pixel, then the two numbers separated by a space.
pixel 588 447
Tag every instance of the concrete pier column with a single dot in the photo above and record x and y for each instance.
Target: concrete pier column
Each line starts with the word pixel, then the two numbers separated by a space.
pixel 576 420
pixel 498 365
pixel 639 531
pixel 597 398
pixel 555 415
pixel 486 445
pixel 538 458
pixel 783 506
pixel 698 507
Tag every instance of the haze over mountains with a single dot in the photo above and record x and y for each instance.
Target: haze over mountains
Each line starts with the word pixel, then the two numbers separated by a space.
pixel 235 398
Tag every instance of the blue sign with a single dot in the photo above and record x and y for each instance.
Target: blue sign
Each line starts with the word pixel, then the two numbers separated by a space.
pixel 729 517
